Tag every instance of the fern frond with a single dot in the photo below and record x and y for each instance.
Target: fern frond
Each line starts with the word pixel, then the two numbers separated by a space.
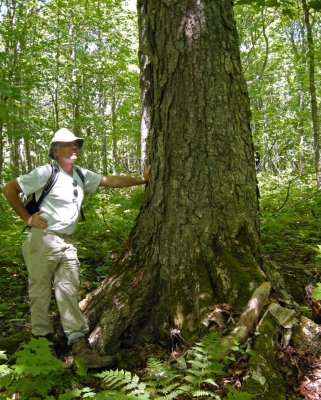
pixel 186 388
pixel 168 389
pixel 135 390
pixel 112 395
pixel 215 349
pixel 132 382
pixel 203 393
pixel 125 382
pixel 198 349
pixel 215 368
pixel 110 376
pixel 158 370
pixel 192 391
pixel 154 364
pixel 210 381
pixel 170 396
pixel 160 377
pixel 196 364
pixel 174 394
pixel 191 379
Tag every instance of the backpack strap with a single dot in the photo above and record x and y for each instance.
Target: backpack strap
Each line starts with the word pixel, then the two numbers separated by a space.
pixel 50 183
pixel 81 176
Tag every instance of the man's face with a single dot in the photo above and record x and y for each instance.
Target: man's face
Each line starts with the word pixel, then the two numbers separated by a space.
pixel 67 151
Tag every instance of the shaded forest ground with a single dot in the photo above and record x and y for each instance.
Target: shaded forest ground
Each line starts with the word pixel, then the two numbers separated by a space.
pixel 290 236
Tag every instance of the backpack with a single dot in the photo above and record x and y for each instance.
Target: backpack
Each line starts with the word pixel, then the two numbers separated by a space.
pixel 33 205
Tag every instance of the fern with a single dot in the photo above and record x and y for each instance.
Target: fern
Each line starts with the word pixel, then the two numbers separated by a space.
pixel 161 377
pixel 204 361
pixel 168 382
pixel 112 395
pixel 194 376
pixel 125 382
pixel 163 381
pixel 204 393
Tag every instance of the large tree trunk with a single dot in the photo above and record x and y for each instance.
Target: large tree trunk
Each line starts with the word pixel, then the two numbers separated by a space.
pixel 195 242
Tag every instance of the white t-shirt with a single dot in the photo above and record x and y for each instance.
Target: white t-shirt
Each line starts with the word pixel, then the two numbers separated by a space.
pixel 61 206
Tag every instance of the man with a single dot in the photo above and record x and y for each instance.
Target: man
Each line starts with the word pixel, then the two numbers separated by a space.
pixel 49 250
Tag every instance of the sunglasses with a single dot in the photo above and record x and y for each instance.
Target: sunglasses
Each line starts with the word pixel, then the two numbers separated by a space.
pixel 75 184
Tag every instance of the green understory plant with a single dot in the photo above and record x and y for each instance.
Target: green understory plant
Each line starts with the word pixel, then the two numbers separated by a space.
pixel 35 373
pixel 316 292
pixel 290 220
pixel 34 362
pixel 192 375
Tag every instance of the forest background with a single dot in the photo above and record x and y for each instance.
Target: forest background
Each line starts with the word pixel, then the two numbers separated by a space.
pixel 75 64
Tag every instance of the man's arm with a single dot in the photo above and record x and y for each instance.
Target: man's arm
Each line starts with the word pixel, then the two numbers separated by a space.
pixel 121 181
pixel 12 191
pixel 125 181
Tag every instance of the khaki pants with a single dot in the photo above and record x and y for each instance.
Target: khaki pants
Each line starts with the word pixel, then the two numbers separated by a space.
pixel 51 259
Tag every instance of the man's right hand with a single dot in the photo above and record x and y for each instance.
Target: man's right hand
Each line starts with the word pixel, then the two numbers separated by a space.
pixel 36 220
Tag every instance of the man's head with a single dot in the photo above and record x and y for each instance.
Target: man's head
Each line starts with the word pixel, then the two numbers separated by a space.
pixel 64 141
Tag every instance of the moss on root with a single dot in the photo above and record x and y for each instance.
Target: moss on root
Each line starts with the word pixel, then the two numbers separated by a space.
pixel 264 378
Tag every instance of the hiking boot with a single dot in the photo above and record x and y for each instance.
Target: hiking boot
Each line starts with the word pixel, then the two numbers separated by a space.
pixel 89 358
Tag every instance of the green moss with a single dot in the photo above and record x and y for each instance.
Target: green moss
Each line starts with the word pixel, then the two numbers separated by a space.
pixel 228 276
pixel 238 275
pixel 263 377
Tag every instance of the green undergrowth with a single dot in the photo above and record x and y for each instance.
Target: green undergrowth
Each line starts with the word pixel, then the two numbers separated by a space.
pixel 290 210
pixel 34 373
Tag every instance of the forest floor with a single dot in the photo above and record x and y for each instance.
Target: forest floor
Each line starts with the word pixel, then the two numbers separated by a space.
pixel 299 259
pixel 300 368
pixel 292 246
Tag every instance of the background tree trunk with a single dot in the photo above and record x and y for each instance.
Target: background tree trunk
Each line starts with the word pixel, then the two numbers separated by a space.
pixel 196 239
pixel 313 93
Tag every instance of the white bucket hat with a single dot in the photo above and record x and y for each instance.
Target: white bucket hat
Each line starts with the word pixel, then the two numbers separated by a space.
pixel 64 135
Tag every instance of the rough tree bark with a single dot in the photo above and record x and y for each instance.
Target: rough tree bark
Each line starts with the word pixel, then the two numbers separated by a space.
pixel 196 239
